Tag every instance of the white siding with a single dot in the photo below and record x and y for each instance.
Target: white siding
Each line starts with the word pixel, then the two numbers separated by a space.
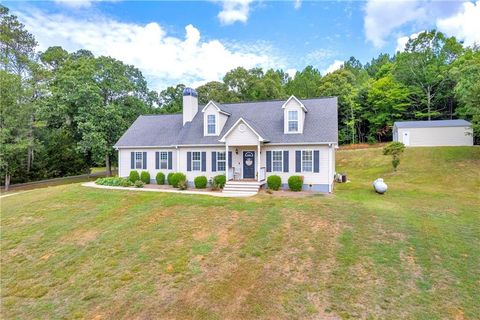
pixel 321 177
pixel 220 118
pixel 238 138
pixel 124 161
pixel 182 162
pixel 437 136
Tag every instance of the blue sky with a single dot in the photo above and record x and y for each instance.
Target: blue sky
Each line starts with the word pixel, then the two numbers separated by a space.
pixel 195 42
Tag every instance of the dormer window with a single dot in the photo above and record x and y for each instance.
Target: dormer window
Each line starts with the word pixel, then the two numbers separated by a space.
pixel 292 121
pixel 211 124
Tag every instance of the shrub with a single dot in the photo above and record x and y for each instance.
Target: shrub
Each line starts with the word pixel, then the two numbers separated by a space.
pixel 200 182
pixel 113 182
pixel 139 184
pixel 295 183
pixel 145 177
pixel 274 182
pixel 169 178
pixel 160 178
pixel 394 149
pixel 176 178
pixel 219 181
pixel 182 184
pixel 134 176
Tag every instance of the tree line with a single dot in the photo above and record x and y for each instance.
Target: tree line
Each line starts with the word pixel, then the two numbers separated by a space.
pixel 61 112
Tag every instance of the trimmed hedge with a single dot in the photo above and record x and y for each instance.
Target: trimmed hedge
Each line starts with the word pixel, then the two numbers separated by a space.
pixel 219 181
pixel 134 176
pixel 114 182
pixel 145 177
pixel 178 177
pixel 169 178
pixel 295 183
pixel 200 182
pixel 274 182
pixel 160 178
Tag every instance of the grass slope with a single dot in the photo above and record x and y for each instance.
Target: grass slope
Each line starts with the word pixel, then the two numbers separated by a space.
pixel 413 253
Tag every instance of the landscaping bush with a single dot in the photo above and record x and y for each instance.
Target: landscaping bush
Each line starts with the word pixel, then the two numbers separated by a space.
pixel 182 184
pixel 295 183
pixel 394 149
pixel 145 177
pixel 274 182
pixel 160 178
pixel 169 178
pixel 134 176
pixel 176 178
pixel 113 182
pixel 200 182
pixel 139 184
pixel 219 181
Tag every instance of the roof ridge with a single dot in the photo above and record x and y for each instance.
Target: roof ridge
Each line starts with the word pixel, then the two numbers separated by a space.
pixel 277 100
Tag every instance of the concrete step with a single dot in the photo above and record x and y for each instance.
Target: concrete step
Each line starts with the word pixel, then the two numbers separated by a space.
pixel 238 186
pixel 243 183
pixel 239 192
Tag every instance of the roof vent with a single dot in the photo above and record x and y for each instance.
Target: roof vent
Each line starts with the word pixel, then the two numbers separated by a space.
pixel 190 92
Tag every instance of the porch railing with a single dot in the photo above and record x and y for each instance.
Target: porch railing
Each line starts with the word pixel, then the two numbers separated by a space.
pixel 262 173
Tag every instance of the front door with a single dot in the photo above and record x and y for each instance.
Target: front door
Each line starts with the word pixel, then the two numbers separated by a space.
pixel 248 165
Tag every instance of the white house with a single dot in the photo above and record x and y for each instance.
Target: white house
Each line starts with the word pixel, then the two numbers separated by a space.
pixel 245 141
pixel 433 133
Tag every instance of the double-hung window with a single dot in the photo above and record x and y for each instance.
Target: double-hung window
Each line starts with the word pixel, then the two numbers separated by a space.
pixel 277 161
pixel 221 161
pixel 196 161
pixel 293 121
pixel 307 161
pixel 211 124
pixel 163 160
pixel 139 160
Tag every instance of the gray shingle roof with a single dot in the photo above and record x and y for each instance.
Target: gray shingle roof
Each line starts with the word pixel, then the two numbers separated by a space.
pixel 432 123
pixel 266 117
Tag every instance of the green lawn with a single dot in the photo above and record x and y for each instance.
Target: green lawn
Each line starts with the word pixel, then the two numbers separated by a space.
pixel 413 253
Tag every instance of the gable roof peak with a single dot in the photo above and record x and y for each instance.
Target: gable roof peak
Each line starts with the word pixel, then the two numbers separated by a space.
pixel 298 101
pixel 216 105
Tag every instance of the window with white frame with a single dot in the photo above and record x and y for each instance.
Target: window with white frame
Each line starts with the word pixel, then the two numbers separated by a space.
pixel 138 160
pixel 196 161
pixel 163 160
pixel 211 124
pixel 221 158
pixel 293 121
pixel 277 161
pixel 307 161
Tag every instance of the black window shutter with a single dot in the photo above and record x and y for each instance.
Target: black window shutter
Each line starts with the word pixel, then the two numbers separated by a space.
pixel 214 161
pixel 316 160
pixel 229 159
pixel 298 161
pixel 204 161
pixel 189 161
pixel 144 160
pixel 269 161
pixel 285 161
pixel 157 160
pixel 132 160
pixel 170 153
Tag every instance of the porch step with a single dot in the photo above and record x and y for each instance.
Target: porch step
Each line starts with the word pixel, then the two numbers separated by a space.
pixel 242 187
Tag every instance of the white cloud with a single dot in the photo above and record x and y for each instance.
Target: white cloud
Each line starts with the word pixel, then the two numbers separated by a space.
pixel 337 64
pixel 234 11
pixel 162 58
pixel 318 57
pixel 465 25
pixel 292 72
pixel 75 3
pixel 382 18
pixel 297 4
pixel 402 41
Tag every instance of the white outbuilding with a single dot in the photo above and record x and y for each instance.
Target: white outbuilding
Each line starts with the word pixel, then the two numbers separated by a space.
pixel 433 133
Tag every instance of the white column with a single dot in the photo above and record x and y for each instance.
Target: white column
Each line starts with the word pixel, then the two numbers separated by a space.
pixel 258 162
pixel 226 162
